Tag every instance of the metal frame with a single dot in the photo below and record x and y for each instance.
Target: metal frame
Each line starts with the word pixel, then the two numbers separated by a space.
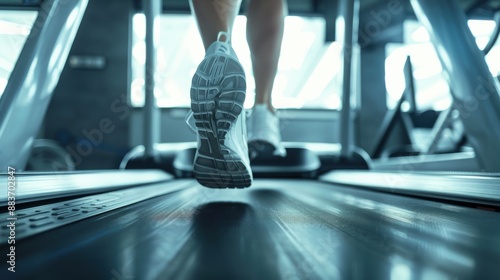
pixel 445 120
pixel 50 215
pixel 347 33
pixel 397 116
pixel 462 187
pixel 34 77
pixel 465 161
pixel 475 91
pixel 49 185
pixel 152 11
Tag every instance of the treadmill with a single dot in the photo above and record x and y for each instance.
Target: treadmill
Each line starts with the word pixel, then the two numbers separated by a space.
pixel 148 224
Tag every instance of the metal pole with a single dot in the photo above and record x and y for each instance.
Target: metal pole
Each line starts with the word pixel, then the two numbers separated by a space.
pixel 474 90
pixel 348 21
pixel 152 10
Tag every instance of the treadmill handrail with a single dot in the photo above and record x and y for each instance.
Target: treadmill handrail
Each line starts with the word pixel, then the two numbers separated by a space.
pixel 475 92
pixel 34 77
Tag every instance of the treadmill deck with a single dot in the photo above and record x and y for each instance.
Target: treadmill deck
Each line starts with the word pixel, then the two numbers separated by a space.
pixel 277 229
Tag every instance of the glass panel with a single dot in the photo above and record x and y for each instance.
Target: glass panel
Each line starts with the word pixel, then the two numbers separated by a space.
pixel 307 70
pixel 15 26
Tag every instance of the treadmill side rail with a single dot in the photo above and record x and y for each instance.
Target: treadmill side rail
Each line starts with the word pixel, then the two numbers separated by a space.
pixel 43 186
pixel 465 187
pixel 34 220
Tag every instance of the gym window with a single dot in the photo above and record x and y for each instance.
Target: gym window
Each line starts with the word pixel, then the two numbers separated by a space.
pixel 15 26
pixel 431 88
pixel 306 76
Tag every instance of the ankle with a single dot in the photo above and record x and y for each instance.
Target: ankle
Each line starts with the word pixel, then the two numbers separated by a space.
pixel 268 106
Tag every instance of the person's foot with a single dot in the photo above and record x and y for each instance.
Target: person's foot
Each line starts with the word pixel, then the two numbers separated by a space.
pixel 264 137
pixel 217 96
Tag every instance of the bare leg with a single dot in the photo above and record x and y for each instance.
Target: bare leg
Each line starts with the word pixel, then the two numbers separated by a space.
pixel 265 26
pixel 214 16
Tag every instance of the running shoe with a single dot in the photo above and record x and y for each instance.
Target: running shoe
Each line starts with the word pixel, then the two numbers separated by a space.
pixel 264 136
pixel 218 92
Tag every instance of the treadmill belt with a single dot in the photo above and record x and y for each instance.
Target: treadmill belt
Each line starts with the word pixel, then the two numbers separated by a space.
pixel 277 229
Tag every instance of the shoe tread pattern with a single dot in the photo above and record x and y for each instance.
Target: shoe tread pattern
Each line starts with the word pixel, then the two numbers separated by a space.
pixel 217 98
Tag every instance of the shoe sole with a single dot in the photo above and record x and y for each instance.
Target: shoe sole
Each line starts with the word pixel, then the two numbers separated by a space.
pixel 260 148
pixel 217 96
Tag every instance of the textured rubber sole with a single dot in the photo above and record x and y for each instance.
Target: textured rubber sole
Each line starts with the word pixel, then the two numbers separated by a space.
pixel 217 96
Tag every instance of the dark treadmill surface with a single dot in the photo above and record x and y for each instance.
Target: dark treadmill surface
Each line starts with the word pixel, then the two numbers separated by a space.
pixel 277 229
